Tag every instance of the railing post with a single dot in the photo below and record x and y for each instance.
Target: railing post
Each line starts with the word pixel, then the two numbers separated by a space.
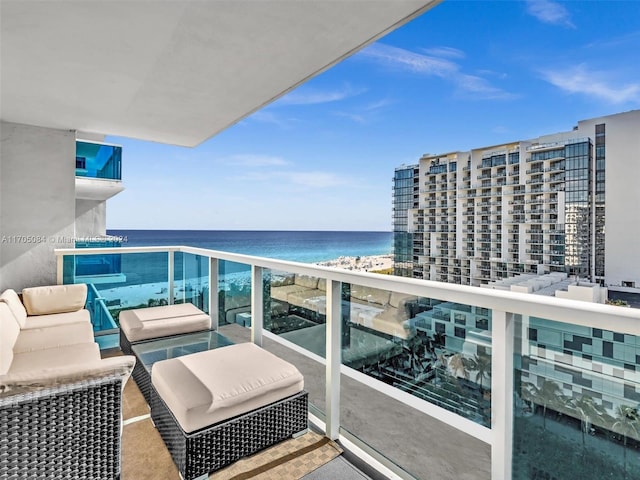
pixel 257 305
pixel 502 330
pixel 170 273
pixel 334 350
pixel 213 293
pixel 59 269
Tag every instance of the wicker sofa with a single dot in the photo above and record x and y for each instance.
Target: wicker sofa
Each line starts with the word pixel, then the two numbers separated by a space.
pixel 60 403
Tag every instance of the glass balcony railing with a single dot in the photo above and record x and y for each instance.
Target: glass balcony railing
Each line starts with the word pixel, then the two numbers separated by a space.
pixel 98 160
pixel 520 386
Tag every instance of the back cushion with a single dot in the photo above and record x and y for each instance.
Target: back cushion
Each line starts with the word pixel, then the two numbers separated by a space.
pixel 9 331
pixel 307 281
pixel 370 294
pixel 11 299
pixel 54 299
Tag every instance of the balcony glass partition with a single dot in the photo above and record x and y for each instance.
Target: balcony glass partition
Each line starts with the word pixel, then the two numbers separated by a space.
pixel 577 399
pixel 234 294
pixel 191 280
pixel 97 160
pixel 295 309
pixel 142 281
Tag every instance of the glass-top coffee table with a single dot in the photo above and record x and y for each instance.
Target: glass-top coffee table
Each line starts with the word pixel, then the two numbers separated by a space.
pixel 151 351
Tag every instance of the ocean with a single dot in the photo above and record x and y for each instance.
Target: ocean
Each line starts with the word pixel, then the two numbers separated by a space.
pixel 297 246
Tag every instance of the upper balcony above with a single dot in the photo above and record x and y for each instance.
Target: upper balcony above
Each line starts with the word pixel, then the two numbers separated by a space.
pixel 98 170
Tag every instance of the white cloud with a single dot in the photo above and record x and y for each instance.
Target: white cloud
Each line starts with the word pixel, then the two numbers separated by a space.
pixel 405 59
pixel 310 96
pixel 366 113
pixel 267 116
pixel 581 80
pixel 479 86
pixel 470 85
pixel 449 52
pixel 550 12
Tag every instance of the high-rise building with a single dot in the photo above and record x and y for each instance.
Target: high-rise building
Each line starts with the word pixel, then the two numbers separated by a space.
pixel 406 193
pixel 563 202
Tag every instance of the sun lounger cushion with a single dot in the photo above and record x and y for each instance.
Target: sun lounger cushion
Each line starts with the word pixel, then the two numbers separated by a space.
pixel 153 322
pixel 207 387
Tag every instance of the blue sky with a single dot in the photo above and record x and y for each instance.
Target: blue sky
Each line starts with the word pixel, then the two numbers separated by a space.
pixel 466 74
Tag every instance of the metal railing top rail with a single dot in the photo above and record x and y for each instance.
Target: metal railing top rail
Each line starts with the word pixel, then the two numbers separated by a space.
pixel 619 319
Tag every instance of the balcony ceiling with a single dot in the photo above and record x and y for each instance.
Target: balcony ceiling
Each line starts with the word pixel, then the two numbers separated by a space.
pixel 174 72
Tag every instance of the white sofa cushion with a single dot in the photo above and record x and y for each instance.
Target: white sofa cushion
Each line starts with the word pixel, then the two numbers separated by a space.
pixel 53 336
pixel 31 380
pixel 80 354
pixel 54 299
pixel 153 322
pixel 10 297
pixel 9 331
pixel 204 388
pixel 55 319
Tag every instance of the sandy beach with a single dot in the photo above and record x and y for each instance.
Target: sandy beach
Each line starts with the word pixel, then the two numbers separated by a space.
pixel 360 264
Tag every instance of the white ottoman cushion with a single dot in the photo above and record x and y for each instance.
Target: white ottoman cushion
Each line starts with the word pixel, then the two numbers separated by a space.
pixel 205 388
pixel 153 322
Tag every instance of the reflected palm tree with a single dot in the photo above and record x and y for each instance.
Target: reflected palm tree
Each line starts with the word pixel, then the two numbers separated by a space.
pixel 458 366
pixel 481 364
pixel 589 412
pixel 547 395
pixel 627 424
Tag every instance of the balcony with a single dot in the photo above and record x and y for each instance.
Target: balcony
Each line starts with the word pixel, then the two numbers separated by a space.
pixel 479 380
pixel 98 170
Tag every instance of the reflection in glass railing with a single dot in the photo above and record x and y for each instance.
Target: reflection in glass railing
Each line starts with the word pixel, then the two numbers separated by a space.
pixel 97 160
pixel 191 280
pixel 577 398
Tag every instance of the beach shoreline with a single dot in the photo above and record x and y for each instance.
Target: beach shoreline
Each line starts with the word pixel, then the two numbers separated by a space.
pixel 366 263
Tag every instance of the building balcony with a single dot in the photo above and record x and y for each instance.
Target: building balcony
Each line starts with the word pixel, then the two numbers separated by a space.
pixel 98 170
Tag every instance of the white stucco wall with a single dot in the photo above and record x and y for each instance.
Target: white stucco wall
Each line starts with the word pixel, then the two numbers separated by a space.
pixel 622 197
pixel 90 218
pixel 37 202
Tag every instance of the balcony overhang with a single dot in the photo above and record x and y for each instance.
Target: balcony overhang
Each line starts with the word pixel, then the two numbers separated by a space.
pixel 97 188
pixel 174 72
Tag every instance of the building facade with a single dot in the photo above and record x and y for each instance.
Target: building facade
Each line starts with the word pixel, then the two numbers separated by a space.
pixel 563 202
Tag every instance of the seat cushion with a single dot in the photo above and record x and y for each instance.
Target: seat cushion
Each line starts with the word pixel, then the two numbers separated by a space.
pixel 55 319
pixel 55 357
pixel 153 322
pixel 54 336
pixel 207 387
pixel 54 299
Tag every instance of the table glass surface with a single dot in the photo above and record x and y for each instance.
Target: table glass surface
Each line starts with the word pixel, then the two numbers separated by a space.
pixel 176 346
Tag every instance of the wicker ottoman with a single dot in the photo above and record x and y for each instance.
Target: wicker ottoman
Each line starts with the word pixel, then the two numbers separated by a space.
pixel 215 407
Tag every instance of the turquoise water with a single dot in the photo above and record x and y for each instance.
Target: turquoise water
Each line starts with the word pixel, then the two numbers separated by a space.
pixel 298 246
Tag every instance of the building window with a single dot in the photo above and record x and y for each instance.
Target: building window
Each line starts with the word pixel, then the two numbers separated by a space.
pixel 629 284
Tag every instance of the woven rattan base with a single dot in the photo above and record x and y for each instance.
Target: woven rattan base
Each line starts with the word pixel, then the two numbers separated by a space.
pixel 199 453
pixel 139 374
pixel 62 433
